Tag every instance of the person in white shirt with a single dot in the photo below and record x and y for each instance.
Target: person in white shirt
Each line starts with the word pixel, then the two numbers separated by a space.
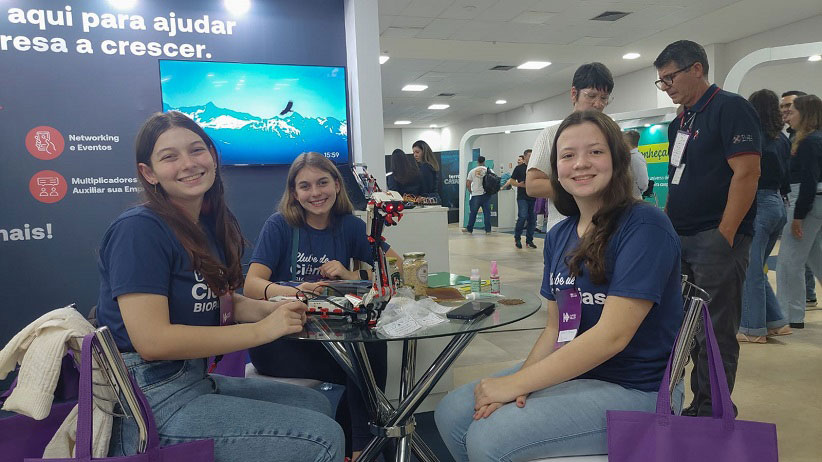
pixel 478 197
pixel 591 88
pixel 639 167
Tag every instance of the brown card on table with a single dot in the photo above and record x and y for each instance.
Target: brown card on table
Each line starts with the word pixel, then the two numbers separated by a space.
pixel 444 293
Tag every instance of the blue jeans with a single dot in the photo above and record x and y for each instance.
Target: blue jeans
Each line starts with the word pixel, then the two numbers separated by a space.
pixel 760 310
pixel 794 254
pixel 526 218
pixel 248 419
pixel 810 284
pixel 563 420
pixel 292 358
pixel 474 205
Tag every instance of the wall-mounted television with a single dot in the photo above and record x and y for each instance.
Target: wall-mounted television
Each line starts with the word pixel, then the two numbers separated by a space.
pixel 261 114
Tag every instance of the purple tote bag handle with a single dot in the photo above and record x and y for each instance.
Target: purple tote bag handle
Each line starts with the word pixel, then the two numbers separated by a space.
pixel 722 406
pixel 85 406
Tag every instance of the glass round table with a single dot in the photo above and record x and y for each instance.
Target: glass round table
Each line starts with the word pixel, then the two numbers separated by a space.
pixel 346 343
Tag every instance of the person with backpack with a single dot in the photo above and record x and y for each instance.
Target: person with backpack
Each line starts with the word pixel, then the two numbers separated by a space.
pixel 483 183
pixel 526 216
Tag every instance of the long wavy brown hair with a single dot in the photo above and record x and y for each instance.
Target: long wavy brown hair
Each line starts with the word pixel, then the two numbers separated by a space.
pixel 405 169
pixel 427 154
pixel 766 105
pixel 220 277
pixel 616 198
pixel 290 207
pixel 809 108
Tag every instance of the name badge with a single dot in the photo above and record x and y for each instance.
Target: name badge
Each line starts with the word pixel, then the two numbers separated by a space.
pixel 678 174
pixel 569 303
pixel 679 147
pixel 226 309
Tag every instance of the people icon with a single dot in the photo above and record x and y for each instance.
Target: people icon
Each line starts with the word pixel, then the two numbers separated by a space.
pixel 48 181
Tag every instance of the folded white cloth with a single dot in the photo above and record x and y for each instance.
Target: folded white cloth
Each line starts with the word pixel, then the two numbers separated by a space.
pixel 39 349
pixel 62 444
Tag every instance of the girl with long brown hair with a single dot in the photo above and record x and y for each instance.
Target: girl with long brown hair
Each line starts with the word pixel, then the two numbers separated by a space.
pixel 801 242
pixel 313 237
pixel 405 177
pixel 619 259
pixel 429 167
pixel 761 314
pixel 169 268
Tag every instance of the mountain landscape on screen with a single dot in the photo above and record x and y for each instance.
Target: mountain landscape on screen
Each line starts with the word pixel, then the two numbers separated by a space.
pixel 245 138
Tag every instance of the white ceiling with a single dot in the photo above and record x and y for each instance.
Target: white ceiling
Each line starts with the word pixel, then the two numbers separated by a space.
pixel 450 45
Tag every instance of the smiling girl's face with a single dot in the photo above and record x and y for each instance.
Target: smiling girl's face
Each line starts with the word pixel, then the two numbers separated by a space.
pixel 584 166
pixel 316 191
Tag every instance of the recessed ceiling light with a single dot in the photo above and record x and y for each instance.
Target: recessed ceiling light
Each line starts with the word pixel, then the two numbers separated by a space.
pixel 534 65
pixel 402 122
pixel 414 87
pixel 438 106
pixel 433 126
pixel 237 7
pixel 507 132
pixel 500 101
pixel 815 58
pixel 647 125
pixel 630 56
pixel 384 58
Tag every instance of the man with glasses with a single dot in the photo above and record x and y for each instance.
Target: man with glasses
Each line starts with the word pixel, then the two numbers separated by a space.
pixel 786 108
pixel 591 88
pixel 713 171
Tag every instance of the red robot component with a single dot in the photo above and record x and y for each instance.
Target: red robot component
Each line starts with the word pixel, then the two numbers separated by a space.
pixel 384 209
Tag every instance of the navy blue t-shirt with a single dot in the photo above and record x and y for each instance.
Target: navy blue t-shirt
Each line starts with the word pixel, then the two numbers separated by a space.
pixel 773 165
pixel 722 125
pixel 343 240
pixel 141 254
pixel 642 261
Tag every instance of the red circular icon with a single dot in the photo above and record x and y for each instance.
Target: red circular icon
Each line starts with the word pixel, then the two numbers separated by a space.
pixel 48 186
pixel 45 142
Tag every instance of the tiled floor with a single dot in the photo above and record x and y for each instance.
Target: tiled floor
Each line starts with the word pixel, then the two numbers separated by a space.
pixel 779 382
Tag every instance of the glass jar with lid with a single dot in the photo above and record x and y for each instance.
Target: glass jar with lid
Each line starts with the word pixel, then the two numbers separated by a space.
pixel 415 272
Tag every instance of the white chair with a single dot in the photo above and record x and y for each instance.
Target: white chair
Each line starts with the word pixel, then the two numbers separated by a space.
pixel 693 297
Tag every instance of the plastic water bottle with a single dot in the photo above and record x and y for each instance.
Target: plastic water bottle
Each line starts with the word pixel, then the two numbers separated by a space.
pixel 495 283
pixel 475 280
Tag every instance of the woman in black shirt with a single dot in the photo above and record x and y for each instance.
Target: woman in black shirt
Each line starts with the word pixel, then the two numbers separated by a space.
pixel 429 167
pixel 802 238
pixel 761 315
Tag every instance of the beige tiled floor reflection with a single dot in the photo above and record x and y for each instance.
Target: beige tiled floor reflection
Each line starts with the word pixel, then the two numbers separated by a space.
pixel 779 382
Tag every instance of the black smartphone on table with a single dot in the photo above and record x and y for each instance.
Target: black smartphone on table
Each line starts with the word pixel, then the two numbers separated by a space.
pixel 471 310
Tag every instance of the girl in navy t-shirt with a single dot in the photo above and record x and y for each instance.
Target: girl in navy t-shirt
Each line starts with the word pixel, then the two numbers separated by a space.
pixel 621 258
pixel 314 214
pixel 168 271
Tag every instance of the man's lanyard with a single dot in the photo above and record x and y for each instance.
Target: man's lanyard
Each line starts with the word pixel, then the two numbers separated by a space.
pixel 226 318
pixel 683 135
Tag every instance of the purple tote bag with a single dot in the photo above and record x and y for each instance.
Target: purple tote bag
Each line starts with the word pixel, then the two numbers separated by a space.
pixel 644 436
pixel 194 451
pixel 21 436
